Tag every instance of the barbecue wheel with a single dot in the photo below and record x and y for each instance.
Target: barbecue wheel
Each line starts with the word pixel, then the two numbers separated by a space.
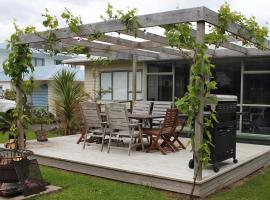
pixel 235 161
pixel 216 169
pixel 191 164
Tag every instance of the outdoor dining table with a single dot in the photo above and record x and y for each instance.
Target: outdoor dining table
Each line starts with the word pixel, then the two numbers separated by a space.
pixel 141 117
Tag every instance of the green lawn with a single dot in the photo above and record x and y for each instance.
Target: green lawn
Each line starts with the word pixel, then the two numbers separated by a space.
pixel 84 187
pixel 255 188
pixel 30 135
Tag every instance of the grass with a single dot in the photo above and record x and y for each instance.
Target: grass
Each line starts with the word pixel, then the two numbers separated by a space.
pixel 254 188
pixel 83 187
pixel 30 135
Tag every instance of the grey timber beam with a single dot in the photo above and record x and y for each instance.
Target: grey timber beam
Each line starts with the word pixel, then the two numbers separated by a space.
pixel 107 47
pixel 211 17
pixel 149 20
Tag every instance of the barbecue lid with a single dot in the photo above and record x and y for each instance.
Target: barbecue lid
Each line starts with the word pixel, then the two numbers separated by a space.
pixel 226 98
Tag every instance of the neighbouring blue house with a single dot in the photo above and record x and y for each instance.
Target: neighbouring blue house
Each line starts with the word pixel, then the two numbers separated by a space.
pixel 43 95
pixel 39 59
pixel 46 67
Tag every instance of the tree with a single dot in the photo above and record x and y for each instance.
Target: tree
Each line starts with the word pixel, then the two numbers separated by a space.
pixel 17 64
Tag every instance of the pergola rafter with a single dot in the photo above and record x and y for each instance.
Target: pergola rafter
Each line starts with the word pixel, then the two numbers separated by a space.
pixel 155 47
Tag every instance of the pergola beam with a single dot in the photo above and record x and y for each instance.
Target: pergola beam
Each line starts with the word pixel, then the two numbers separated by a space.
pixel 156 19
pixel 107 47
pixel 149 20
pixel 95 52
pixel 227 45
pixel 148 45
pixel 211 17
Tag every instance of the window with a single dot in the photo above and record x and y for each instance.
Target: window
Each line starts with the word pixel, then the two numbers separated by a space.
pixel 159 87
pixel 38 62
pixel 138 85
pixel 159 67
pixel 228 77
pixel 118 85
pixel 258 65
pixel 106 86
pixel 181 79
pixel 256 89
pixel 160 81
pixel 57 62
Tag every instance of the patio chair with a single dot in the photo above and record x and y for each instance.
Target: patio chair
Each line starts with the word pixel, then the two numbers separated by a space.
pixel 142 107
pixel 93 123
pixel 78 118
pixel 177 133
pixel 120 126
pixel 165 133
pixel 160 108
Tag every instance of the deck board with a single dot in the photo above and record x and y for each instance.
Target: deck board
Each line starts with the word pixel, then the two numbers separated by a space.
pixel 169 172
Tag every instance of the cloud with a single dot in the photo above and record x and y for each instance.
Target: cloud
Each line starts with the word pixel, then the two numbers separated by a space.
pixel 29 12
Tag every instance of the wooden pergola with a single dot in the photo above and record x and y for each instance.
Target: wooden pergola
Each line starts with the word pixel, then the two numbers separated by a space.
pixel 152 46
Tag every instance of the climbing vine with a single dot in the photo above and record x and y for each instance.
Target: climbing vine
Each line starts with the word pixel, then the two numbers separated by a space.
pixel 18 63
pixel 128 19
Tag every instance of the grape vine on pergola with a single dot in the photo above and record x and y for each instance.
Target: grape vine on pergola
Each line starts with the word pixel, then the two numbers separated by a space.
pixel 153 46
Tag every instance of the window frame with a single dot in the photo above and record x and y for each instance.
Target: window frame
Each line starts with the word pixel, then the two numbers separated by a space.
pixel 128 91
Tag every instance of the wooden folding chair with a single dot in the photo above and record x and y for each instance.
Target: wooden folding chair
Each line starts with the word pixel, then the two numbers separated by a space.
pixel 93 123
pixel 160 108
pixel 165 132
pixel 178 131
pixel 120 126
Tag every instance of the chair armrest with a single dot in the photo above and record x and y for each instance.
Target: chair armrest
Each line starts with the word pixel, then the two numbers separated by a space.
pixel 137 124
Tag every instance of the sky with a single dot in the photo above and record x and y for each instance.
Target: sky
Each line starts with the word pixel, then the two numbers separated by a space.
pixel 28 12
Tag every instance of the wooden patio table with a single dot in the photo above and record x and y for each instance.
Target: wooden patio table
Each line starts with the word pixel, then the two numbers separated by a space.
pixel 149 118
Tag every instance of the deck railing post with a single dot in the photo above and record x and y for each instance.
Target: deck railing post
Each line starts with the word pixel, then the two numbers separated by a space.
pixel 199 121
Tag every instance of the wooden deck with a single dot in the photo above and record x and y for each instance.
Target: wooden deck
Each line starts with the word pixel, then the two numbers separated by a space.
pixel 168 172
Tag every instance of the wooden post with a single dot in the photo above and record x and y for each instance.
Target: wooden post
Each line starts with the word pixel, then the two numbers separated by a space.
pixel 199 121
pixel 134 74
pixel 19 122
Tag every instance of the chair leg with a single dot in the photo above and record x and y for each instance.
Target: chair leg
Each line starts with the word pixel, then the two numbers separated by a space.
pixel 141 139
pixel 130 145
pixel 102 143
pixel 84 142
pixel 109 144
pixel 181 145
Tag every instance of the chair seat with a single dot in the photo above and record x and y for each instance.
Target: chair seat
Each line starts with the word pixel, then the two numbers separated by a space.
pixel 178 128
pixel 126 133
pixel 156 131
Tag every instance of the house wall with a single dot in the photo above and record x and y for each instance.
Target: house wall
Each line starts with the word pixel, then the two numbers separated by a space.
pixel 5 85
pixel 51 98
pixel 92 73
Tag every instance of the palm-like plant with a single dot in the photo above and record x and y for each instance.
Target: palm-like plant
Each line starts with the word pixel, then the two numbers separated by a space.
pixel 68 94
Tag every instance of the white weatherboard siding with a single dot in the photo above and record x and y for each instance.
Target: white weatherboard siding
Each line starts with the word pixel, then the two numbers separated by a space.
pixel 51 97
pixel 92 73
pixel 5 85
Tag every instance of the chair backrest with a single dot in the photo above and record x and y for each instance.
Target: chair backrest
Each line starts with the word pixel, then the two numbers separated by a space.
pixel 91 114
pixel 160 107
pixel 142 107
pixel 170 120
pixel 117 116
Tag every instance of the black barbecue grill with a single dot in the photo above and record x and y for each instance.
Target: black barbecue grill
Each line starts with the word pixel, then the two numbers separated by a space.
pixel 224 131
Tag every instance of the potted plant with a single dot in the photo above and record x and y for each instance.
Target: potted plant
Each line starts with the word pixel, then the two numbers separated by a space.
pixel 42 117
